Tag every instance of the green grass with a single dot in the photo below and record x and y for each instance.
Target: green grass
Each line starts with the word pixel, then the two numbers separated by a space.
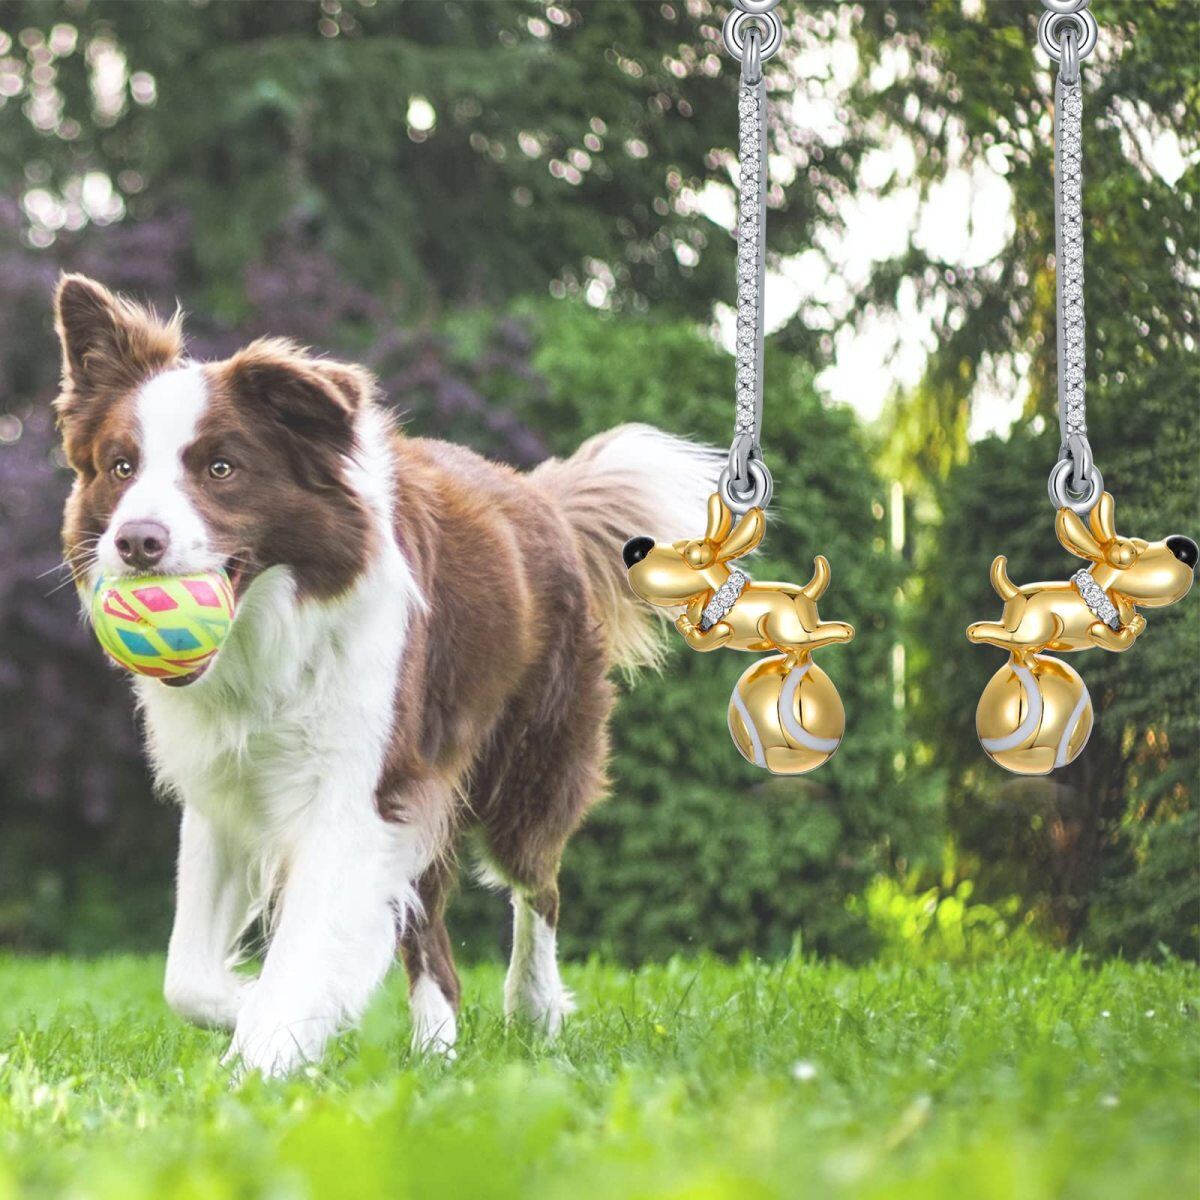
pixel 1044 1077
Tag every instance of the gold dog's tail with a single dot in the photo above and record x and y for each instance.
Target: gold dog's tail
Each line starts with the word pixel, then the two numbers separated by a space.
pixel 630 481
pixel 1005 588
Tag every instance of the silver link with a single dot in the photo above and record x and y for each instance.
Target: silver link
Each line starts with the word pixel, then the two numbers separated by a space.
pixel 736 28
pixel 1082 502
pixel 1074 480
pixel 757 495
pixel 1050 40
pixel 752 33
pixel 759 8
pixel 751 271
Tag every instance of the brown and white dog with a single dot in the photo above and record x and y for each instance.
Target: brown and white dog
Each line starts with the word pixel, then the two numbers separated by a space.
pixel 422 645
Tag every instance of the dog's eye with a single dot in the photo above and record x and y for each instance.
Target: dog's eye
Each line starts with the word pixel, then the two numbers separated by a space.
pixel 220 468
pixel 123 468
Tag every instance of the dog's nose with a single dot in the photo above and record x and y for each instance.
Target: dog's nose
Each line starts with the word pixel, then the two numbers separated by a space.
pixel 636 549
pixel 142 544
pixel 1184 549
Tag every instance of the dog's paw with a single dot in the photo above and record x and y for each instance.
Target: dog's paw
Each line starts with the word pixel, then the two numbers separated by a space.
pixel 546 1011
pixel 274 1043
pixel 434 1023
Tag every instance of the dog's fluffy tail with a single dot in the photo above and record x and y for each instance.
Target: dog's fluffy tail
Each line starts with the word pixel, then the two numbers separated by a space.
pixel 632 480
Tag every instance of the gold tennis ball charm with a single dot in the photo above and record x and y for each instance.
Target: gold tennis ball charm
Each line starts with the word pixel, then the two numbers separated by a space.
pixel 1034 718
pixel 786 715
pixel 166 627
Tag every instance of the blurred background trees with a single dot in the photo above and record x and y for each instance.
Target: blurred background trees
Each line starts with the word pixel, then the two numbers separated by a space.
pixel 518 215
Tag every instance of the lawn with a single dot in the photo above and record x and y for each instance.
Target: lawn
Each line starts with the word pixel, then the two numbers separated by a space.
pixel 1042 1077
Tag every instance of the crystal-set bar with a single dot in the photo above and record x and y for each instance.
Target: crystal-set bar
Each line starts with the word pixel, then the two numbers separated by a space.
pixel 1095 598
pixel 1068 245
pixel 751 251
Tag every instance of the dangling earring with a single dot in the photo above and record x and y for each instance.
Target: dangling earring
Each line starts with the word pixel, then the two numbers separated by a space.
pixel 785 713
pixel 1035 713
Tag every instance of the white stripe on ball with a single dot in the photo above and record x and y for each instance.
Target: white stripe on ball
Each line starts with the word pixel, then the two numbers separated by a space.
pixel 793 727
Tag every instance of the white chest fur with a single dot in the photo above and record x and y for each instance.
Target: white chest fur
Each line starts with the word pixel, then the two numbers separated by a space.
pixel 276 754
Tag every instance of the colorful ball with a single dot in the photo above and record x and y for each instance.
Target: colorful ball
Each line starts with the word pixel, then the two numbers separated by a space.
pixel 786 717
pixel 163 626
pixel 1033 719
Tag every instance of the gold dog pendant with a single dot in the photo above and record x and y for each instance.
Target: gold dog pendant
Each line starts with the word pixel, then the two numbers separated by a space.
pixel 1035 714
pixel 785 713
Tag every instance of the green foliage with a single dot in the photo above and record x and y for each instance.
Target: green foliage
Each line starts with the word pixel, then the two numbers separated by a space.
pixel 1035 1078
pixel 939 924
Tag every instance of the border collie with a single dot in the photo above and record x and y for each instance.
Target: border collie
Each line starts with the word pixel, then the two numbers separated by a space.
pixel 422 647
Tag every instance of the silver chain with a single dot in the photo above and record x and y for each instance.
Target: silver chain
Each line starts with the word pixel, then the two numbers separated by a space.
pixel 1068 32
pixel 752 33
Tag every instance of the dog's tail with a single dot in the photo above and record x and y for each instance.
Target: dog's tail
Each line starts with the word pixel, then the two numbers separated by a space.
pixel 632 480
pixel 1005 588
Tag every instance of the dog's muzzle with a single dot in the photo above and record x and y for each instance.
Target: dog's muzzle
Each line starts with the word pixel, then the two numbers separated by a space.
pixel 1182 547
pixel 636 549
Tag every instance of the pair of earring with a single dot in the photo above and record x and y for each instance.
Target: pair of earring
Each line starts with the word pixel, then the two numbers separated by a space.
pixel 1035 713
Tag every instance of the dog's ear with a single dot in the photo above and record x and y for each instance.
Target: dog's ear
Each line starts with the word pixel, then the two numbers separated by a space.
pixel 747 533
pixel 1076 537
pixel 108 343
pixel 1102 519
pixel 1119 552
pixel 720 519
pixel 308 397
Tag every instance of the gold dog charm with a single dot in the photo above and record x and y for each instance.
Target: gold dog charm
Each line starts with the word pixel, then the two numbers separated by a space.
pixel 1035 713
pixel 784 714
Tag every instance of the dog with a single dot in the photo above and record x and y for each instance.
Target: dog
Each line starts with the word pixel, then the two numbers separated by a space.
pixel 778 617
pixel 1098 605
pixel 421 647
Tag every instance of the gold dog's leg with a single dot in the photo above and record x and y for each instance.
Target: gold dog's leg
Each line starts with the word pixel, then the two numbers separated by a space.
pixel 704 639
pixel 831 633
pixel 1116 639
pixel 992 633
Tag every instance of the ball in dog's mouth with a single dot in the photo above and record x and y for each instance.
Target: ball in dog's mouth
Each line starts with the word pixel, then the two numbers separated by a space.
pixel 234 570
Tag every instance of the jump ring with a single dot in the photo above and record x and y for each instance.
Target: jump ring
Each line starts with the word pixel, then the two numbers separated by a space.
pixel 733 32
pixel 752 60
pixel 760 8
pixel 1079 451
pixel 740 454
pixel 1060 497
pixel 1063 8
pixel 758 495
pixel 1050 40
pixel 1069 66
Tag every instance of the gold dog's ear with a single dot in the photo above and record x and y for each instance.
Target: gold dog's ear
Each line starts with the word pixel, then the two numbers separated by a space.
pixel 1119 552
pixel 720 519
pixel 814 589
pixel 747 533
pixel 1102 519
pixel 1076 537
